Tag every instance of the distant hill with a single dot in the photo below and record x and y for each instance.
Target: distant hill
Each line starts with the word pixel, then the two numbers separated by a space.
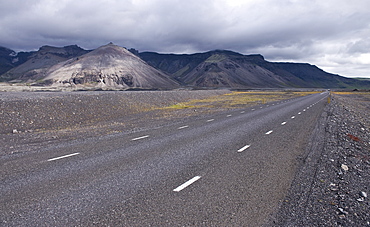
pixel 222 68
pixel 108 66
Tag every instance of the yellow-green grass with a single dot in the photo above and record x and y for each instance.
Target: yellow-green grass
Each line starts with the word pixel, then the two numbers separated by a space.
pixel 237 100
pixel 350 93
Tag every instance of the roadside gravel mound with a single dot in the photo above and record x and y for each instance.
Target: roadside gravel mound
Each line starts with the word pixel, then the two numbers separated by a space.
pixel 332 187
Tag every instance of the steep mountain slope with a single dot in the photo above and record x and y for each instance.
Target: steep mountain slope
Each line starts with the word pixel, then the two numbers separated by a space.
pixel 40 61
pixel 6 59
pixel 10 59
pixel 108 66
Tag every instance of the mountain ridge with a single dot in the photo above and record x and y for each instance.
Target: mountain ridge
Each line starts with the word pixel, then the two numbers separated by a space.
pixel 211 69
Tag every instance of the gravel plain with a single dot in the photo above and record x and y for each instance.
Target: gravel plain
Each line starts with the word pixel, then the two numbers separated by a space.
pixel 29 120
pixel 333 184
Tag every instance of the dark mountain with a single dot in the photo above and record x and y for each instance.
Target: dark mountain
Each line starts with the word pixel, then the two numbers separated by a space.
pixel 221 68
pixel 109 66
pixel 35 65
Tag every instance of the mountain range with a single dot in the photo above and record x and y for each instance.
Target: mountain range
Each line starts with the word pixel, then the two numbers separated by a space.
pixel 111 66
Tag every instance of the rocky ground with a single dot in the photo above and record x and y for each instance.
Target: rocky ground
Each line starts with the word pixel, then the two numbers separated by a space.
pixel 333 185
pixel 33 119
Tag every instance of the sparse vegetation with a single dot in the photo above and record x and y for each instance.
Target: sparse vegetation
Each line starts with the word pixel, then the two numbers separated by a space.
pixel 237 100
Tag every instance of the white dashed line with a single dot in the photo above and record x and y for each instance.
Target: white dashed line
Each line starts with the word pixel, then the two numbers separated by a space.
pixel 283 123
pixel 244 148
pixel 210 120
pixel 186 184
pixel 229 115
pixel 242 112
pixel 182 127
pixel 269 132
pixel 253 109
pixel 65 156
pixel 293 117
pixel 299 113
pixel 139 138
pixel 304 110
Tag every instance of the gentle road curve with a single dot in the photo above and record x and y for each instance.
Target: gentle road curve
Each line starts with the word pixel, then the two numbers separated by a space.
pixel 226 169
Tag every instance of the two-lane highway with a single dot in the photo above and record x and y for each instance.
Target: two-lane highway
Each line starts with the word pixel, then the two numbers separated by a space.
pixel 226 169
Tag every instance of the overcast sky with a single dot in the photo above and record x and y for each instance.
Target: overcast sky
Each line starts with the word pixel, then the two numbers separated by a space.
pixel 332 34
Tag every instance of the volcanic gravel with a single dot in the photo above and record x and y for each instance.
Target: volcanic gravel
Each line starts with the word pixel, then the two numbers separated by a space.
pixel 333 185
pixel 34 119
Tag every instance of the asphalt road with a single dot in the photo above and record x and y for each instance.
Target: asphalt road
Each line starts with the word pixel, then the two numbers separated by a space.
pixel 228 169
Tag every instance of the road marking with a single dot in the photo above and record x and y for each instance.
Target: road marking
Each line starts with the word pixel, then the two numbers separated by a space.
pixel 210 120
pixel 182 127
pixel 244 148
pixel 283 123
pixel 304 109
pixel 65 156
pixel 253 109
pixel 186 184
pixel 293 117
pixel 299 113
pixel 269 132
pixel 139 138
pixel 229 115
pixel 242 112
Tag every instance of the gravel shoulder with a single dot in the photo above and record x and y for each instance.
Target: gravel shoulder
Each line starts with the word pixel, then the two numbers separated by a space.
pixel 332 185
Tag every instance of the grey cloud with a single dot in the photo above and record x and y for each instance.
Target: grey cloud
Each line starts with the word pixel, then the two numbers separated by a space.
pixel 305 30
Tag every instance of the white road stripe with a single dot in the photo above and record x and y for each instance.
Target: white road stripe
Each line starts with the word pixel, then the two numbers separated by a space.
pixel 139 138
pixel 210 120
pixel 65 156
pixel 229 115
pixel 253 109
pixel 182 127
pixel 243 148
pixel 283 123
pixel 269 132
pixel 299 113
pixel 242 112
pixel 186 184
pixel 293 117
